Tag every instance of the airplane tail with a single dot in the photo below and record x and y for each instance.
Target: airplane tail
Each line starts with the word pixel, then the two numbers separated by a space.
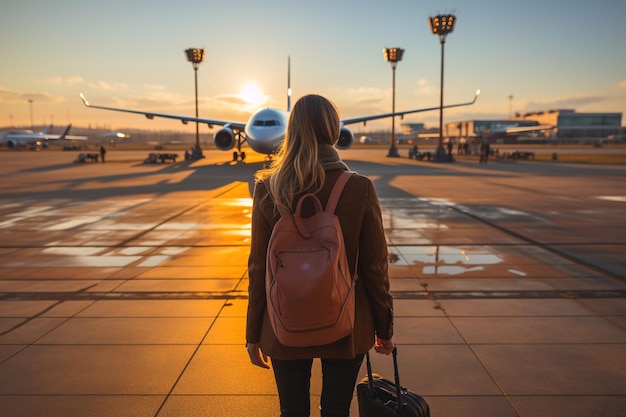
pixel 66 131
pixel 45 130
pixel 288 84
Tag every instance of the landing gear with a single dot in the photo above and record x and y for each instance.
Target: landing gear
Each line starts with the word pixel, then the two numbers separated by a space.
pixel 268 162
pixel 236 156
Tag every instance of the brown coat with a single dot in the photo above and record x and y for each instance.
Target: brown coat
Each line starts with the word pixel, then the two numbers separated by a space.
pixel 361 221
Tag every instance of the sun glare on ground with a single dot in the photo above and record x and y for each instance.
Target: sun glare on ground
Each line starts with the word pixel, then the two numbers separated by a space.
pixel 251 93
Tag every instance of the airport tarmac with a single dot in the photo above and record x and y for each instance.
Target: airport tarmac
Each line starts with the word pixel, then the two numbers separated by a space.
pixel 123 286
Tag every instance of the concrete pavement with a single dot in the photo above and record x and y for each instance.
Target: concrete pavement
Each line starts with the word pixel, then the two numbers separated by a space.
pixel 123 286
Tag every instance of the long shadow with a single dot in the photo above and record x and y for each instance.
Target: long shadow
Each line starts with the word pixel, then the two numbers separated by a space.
pixel 544 168
pixel 384 175
pixel 199 178
pixel 48 168
pixel 209 177
pixel 429 169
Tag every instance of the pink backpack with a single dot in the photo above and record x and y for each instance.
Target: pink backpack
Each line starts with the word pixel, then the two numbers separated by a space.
pixel 309 289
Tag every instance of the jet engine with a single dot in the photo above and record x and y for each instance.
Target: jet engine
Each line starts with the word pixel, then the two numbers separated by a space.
pixel 224 139
pixel 11 144
pixel 346 137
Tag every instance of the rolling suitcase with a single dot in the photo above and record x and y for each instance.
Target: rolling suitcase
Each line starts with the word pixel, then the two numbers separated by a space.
pixel 380 397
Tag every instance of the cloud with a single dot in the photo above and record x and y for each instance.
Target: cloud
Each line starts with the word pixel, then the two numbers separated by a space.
pixel 622 84
pixel 367 91
pixel 572 102
pixel 153 87
pixel 234 104
pixel 102 85
pixel 230 99
pixel 66 80
pixel 12 96
pixel 74 80
pixel 373 101
pixel 363 100
pixel 424 89
pixel 154 101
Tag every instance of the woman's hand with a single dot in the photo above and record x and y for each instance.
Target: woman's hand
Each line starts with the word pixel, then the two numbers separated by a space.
pixel 257 357
pixel 384 346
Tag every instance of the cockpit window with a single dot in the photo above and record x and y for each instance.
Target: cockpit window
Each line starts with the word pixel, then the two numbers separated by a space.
pixel 266 123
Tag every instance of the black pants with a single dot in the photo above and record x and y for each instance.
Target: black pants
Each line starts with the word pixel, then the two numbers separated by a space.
pixel 293 379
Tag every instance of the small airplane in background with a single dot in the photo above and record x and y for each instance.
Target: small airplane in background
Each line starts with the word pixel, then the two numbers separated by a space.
pixel 266 127
pixel 528 129
pixel 25 138
pixel 519 131
pixel 113 135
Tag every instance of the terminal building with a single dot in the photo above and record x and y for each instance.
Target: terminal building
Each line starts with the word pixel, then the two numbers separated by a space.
pixel 563 125
pixel 572 126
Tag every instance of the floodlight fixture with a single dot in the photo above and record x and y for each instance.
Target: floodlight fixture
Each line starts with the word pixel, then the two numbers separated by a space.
pixel 393 55
pixel 441 25
pixel 195 56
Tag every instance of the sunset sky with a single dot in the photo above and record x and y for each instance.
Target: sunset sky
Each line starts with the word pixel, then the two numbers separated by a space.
pixel 547 54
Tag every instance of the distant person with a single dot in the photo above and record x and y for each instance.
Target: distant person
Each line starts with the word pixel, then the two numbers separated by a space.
pixel 308 162
pixel 102 153
pixel 481 151
pixel 414 152
pixel 487 151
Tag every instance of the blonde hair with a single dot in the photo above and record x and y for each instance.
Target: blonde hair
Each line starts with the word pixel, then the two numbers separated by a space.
pixel 313 121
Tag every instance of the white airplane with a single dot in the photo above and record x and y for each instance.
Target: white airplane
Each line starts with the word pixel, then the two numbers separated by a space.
pixel 15 139
pixel 528 129
pixel 520 131
pixel 266 127
pixel 113 135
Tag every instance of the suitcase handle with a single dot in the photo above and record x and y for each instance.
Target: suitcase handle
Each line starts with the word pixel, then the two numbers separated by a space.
pixel 394 353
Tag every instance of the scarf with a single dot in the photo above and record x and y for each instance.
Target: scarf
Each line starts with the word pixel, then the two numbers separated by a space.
pixel 329 158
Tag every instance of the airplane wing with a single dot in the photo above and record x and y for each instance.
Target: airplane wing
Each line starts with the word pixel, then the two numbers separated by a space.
pixel 183 119
pixel 402 113
pixel 114 135
pixel 65 135
pixel 75 137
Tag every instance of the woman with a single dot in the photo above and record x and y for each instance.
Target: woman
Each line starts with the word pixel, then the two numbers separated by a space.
pixel 308 163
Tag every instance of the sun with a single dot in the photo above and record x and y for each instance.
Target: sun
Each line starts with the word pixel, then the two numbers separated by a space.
pixel 251 93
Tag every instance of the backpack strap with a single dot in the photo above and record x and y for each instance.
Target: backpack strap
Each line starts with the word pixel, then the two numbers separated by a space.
pixel 337 189
pixel 340 182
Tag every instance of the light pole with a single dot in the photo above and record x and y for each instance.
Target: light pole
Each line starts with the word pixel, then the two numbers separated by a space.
pixel 196 56
pixel 393 56
pixel 511 106
pixel 30 106
pixel 441 25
